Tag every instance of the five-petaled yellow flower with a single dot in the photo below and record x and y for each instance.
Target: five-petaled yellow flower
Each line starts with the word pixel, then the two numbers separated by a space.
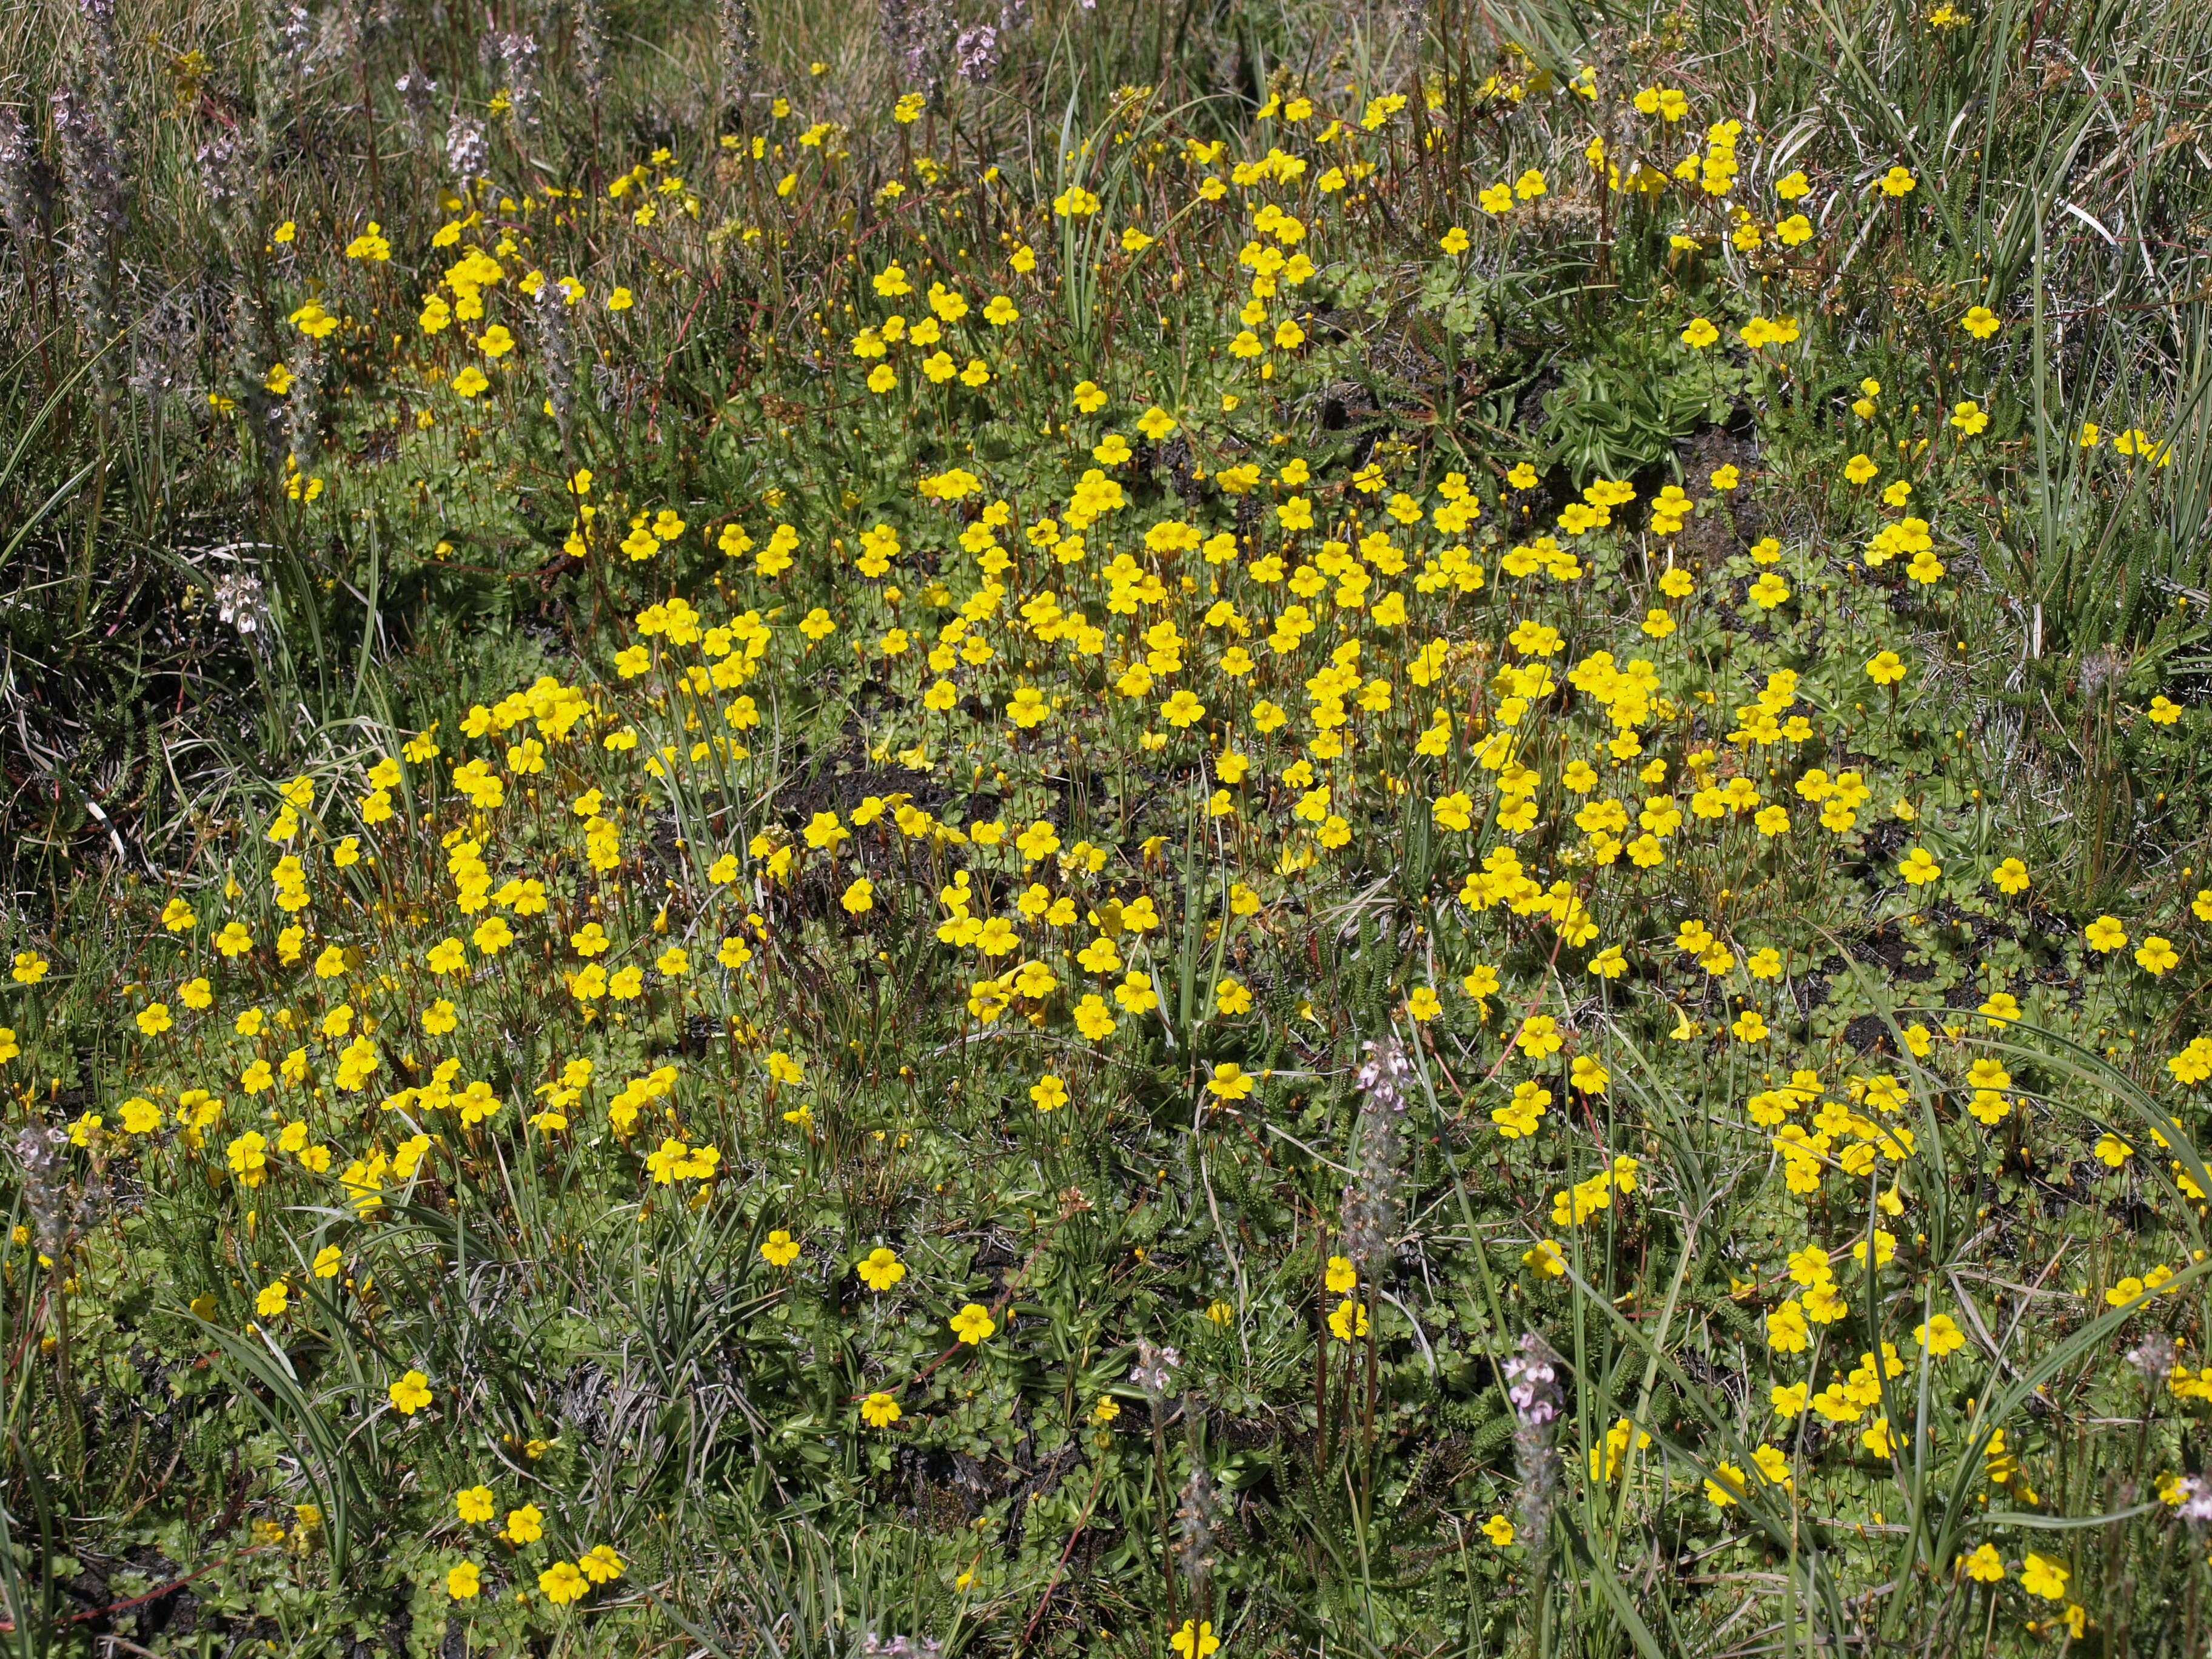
pixel 880 1268
pixel 973 1324
pixel 1230 1081
pixel 880 1410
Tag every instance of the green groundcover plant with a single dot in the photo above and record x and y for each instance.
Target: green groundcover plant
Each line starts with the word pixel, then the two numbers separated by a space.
pixel 1158 828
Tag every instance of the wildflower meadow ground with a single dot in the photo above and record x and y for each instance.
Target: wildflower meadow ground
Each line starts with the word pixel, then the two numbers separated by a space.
pixel 1140 828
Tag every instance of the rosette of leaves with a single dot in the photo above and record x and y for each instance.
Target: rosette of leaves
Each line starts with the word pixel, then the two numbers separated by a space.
pixel 1615 414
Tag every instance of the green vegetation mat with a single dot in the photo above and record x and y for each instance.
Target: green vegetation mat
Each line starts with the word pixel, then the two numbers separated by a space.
pixel 1191 827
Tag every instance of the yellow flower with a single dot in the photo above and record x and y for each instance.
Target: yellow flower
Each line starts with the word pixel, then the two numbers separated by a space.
pixel 2157 955
pixel 1182 709
pixel 2105 934
pixel 1786 1329
pixel 1773 1465
pixel 141 1116
pixel 470 382
pixel 1941 1335
pixel 1980 322
pixel 526 1525
pixel 1985 1566
pixel 1538 1036
pixel 1230 1081
pixel 463 1580
pixel 1700 334
pixel 1196 1640
pixel 880 1410
pixel 409 1394
pixel 973 1324
pixel 1769 591
pixel 2041 1574
pixel 1884 668
pixel 474 1503
pixel 1546 1260
pixel 622 300
pixel 781 1249
pixel 880 1268
pixel 1897 182
pixel 562 1584
pixel 1918 868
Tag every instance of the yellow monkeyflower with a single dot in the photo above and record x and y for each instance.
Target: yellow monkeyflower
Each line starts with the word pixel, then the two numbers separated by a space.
pixel 880 1268
pixel 880 1410
pixel 1230 1081
pixel 2044 1575
pixel 1918 868
pixel 973 1324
